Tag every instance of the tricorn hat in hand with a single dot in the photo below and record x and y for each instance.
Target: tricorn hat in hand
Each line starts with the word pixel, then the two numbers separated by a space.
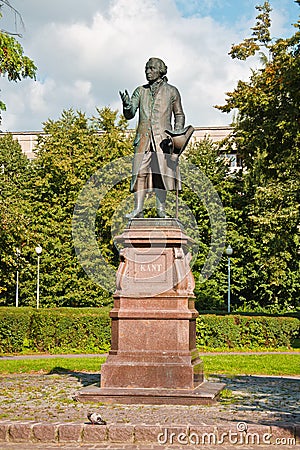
pixel 180 138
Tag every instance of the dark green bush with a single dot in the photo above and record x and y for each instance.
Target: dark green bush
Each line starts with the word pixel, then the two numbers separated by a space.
pixel 70 330
pixel 14 329
pixel 246 331
pixel 54 330
pixel 87 330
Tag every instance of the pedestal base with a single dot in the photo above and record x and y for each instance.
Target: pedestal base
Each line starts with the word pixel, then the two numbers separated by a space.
pixel 153 345
pixel 153 357
pixel 204 394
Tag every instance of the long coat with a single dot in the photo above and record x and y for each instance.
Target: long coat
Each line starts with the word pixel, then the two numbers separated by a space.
pixel 155 116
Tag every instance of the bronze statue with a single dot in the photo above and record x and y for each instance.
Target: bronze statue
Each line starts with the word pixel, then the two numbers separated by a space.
pixel 155 164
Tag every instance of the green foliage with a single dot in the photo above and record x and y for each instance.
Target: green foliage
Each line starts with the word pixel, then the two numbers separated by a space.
pixel 38 201
pixel 275 308
pixel 212 294
pixel 70 330
pixel 227 397
pixel 88 330
pixel 246 331
pixel 14 329
pixel 61 330
pixel 14 213
pixel 260 35
pixel 206 156
pixel 13 63
pixel 71 151
pixel 117 144
pixel 267 136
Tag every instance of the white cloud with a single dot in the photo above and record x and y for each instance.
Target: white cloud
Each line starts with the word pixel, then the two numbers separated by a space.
pixel 36 96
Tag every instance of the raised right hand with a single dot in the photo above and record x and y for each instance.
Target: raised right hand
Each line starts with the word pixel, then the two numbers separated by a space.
pixel 125 98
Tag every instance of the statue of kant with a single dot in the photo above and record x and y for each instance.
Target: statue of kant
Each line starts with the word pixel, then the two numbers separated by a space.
pixel 155 163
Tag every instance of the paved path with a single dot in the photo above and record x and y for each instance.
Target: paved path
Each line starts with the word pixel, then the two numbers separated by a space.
pixel 102 355
pixel 37 404
pixel 48 356
pixel 138 447
pixel 42 407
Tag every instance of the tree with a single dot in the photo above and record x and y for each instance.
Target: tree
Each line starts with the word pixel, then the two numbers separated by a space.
pixel 13 63
pixel 71 151
pixel 267 135
pixel 205 155
pixel 14 213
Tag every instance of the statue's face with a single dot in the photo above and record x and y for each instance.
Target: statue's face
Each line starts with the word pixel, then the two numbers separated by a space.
pixel 152 70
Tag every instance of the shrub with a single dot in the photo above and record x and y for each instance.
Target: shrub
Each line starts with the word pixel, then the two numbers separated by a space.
pixel 54 330
pixel 14 329
pixel 246 331
pixel 87 330
pixel 70 329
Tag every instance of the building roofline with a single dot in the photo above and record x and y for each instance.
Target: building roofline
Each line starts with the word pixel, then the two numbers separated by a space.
pixel 220 127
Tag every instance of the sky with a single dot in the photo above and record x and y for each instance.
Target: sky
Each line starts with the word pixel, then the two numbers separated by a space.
pixel 87 51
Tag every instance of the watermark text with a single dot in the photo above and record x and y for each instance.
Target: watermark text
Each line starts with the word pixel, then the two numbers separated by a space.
pixel 240 436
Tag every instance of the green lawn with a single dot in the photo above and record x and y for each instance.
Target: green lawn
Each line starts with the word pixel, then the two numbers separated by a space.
pixel 252 364
pixel 49 365
pixel 218 364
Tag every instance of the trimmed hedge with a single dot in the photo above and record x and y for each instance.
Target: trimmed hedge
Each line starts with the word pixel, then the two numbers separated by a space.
pixel 14 328
pixel 87 330
pixel 234 331
pixel 62 330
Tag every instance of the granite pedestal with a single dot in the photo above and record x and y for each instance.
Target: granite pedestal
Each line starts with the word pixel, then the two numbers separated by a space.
pixel 153 356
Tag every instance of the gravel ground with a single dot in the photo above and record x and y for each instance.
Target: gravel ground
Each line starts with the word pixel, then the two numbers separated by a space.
pixel 50 398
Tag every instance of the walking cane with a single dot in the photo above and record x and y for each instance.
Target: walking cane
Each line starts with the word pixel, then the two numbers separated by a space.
pixel 177 191
pixel 178 140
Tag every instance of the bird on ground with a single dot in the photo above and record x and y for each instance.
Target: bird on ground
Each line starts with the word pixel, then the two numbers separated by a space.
pixel 96 419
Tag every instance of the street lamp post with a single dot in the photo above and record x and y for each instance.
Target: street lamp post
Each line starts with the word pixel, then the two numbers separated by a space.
pixel 18 253
pixel 38 250
pixel 228 252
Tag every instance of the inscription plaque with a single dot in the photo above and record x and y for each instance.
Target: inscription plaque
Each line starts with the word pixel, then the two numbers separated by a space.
pixel 151 267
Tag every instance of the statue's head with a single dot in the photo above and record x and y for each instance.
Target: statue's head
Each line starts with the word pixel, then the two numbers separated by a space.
pixel 155 68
